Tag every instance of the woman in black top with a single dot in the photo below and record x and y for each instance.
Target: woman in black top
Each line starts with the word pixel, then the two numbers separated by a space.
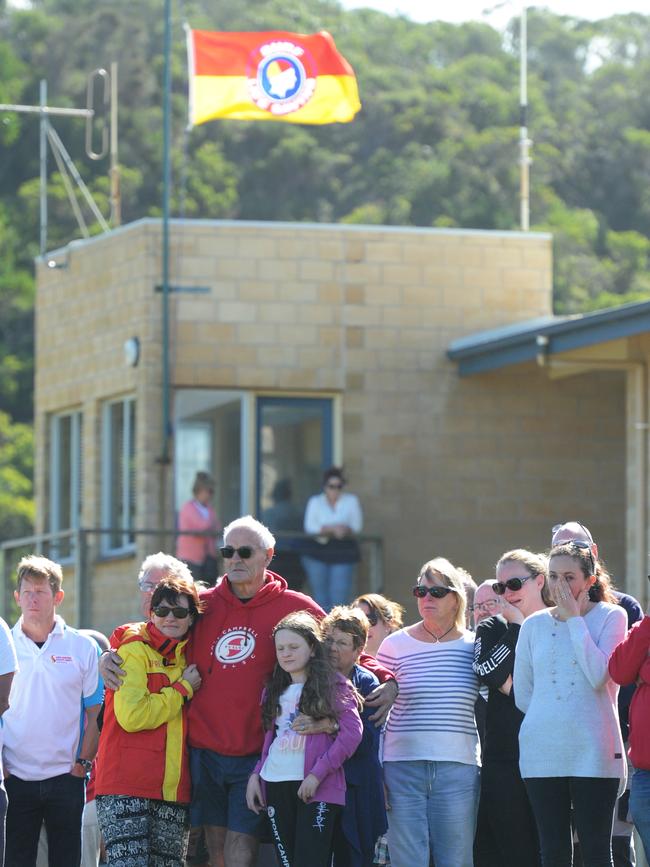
pixel 504 807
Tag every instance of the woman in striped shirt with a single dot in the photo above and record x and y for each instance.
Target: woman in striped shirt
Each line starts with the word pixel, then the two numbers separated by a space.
pixel 431 751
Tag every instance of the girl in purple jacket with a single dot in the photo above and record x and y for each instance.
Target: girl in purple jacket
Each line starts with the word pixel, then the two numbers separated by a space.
pixel 299 779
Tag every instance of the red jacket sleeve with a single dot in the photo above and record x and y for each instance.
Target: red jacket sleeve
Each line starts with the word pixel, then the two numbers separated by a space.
pixel 370 663
pixel 626 660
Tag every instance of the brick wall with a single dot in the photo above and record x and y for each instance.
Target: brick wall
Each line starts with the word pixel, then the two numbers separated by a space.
pixel 462 468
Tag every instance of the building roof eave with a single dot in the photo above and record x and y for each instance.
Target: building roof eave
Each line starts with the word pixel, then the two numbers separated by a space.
pixel 522 342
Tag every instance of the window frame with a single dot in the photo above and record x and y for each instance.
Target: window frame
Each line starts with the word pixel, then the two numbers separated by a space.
pixel 56 522
pixel 128 543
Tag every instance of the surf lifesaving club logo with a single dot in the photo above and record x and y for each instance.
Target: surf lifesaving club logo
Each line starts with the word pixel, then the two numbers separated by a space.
pixel 235 645
pixel 281 77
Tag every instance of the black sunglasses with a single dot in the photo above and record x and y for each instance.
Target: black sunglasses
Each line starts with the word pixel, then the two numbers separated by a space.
pixel 178 611
pixel 581 545
pixel 500 587
pixel 373 617
pixel 437 592
pixel 245 552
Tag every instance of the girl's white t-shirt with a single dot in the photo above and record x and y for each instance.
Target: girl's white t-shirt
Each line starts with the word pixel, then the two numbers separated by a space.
pixel 286 758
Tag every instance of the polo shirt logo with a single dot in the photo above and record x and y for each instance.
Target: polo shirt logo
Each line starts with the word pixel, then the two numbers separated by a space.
pixel 56 659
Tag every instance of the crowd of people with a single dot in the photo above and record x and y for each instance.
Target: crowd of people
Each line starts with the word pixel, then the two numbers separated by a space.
pixel 489 732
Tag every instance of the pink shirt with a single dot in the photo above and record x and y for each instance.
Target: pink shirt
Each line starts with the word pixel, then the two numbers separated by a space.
pixel 194 516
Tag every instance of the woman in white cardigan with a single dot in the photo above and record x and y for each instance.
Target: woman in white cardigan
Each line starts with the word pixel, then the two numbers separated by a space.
pixel 571 752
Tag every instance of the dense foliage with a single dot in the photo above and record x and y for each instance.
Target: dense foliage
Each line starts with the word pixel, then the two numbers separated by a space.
pixel 436 143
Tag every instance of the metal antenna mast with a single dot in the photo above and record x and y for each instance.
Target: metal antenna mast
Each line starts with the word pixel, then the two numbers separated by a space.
pixel 63 160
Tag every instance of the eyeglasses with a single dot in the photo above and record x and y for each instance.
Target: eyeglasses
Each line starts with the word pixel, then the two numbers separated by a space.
pixel 178 611
pixel 147 586
pixel 500 587
pixel 373 616
pixel 336 486
pixel 437 592
pixel 245 552
pixel 485 607
pixel 341 644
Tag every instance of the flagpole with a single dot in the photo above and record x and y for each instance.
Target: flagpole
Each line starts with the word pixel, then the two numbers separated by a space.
pixel 524 141
pixel 164 457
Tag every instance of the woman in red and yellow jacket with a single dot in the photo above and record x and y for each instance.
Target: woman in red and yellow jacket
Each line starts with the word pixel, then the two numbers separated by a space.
pixel 143 781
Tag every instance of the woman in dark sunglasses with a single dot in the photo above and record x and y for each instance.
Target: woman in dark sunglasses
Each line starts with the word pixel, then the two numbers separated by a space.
pixel 384 617
pixel 333 519
pixel 431 743
pixel 571 751
pixel 142 772
pixel 521 587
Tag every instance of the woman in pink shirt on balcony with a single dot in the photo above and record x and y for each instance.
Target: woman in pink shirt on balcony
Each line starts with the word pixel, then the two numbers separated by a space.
pixel 198 516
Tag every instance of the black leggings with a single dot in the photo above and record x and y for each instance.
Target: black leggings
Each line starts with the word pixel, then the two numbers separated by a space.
pixel 593 800
pixel 503 794
pixel 302 833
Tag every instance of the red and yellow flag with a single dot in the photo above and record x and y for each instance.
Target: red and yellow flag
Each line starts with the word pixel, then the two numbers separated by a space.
pixel 269 76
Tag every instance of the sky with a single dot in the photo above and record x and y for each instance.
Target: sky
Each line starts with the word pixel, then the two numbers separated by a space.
pixel 478 10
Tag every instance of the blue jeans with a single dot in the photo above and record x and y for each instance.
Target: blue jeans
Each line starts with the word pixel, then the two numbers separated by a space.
pixel 330 583
pixel 640 806
pixel 433 807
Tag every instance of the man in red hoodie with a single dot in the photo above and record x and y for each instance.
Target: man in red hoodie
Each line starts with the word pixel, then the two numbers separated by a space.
pixel 232 646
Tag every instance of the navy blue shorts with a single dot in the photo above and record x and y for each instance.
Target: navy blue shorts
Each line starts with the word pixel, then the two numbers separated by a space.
pixel 219 792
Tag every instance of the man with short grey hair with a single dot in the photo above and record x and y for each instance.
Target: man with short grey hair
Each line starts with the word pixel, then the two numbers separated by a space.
pixel 153 569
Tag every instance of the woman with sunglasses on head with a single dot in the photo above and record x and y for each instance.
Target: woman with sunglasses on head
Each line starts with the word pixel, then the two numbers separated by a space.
pixel 384 617
pixel 142 773
pixel 521 587
pixel 333 519
pixel 571 750
pixel 431 753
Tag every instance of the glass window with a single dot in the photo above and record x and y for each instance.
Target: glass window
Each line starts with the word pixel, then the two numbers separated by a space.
pixel 118 474
pixel 208 436
pixel 65 479
pixel 294 446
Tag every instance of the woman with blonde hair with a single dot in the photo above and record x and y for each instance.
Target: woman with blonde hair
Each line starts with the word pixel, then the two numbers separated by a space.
pixel 384 617
pixel 431 753
pixel 521 587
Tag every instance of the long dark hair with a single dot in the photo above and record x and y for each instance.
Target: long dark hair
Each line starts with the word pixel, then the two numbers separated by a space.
pixel 601 589
pixel 317 698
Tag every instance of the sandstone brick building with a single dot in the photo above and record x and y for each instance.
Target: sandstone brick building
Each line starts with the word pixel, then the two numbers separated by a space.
pixel 428 361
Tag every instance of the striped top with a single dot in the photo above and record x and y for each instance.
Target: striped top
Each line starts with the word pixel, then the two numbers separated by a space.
pixel 437 692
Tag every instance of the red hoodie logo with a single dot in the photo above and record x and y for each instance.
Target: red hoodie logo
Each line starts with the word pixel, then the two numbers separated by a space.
pixel 235 646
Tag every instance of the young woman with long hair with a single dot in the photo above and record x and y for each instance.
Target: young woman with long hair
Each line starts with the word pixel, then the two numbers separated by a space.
pixel 570 745
pixel 299 779
pixel 505 815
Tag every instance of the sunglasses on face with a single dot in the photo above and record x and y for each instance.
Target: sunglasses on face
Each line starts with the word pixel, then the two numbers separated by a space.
pixel 500 587
pixel 373 617
pixel 178 611
pixel 437 592
pixel 334 485
pixel 245 552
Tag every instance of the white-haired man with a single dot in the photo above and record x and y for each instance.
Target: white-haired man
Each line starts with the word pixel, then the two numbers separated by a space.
pixel 232 646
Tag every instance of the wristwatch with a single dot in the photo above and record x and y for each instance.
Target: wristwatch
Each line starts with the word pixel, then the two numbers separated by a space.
pixel 86 764
pixel 336 727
